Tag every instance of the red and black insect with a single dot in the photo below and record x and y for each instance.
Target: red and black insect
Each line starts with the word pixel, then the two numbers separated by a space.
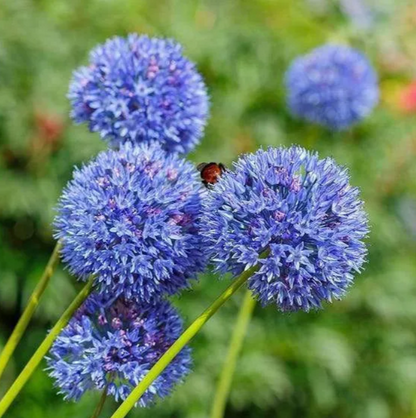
pixel 211 172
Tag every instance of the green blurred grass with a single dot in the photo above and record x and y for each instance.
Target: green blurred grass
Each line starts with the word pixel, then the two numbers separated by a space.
pixel 356 358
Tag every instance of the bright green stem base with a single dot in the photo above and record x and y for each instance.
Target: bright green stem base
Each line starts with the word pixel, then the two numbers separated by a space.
pixel 177 346
pixel 226 378
pixel 29 310
pixel 44 348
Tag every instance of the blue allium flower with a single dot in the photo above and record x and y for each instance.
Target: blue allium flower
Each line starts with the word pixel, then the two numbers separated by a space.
pixel 113 344
pixel 139 89
pixel 334 86
pixel 131 217
pixel 300 208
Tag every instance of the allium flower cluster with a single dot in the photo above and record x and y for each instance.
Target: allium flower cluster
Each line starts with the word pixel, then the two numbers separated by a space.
pixel 333 85
pixel 300 208
pixel 112 344
pixel 131 218
pixel 139 89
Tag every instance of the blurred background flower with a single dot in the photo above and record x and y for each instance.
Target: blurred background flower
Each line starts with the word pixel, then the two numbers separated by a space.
pixel 333 85
pixel 407 101
pixel 355 359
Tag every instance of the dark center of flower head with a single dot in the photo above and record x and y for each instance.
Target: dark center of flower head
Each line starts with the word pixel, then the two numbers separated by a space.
pixel 112 343
pixel 132 337
pixel 290 223
pixel 278 223
pixel 131 223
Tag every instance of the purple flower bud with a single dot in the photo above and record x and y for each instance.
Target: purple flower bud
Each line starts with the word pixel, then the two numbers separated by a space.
pixel 116 323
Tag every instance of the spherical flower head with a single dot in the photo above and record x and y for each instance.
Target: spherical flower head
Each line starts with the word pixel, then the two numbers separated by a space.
pixel 131 217
pixel 299 208
pixel 139 89
pixel 113 344
pixel 334 86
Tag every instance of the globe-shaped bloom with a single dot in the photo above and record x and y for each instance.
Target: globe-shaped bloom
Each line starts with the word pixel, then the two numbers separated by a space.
pixel 131 217
pixel 112 344
pixel 334 86
pixel 139 89
pixel 299 208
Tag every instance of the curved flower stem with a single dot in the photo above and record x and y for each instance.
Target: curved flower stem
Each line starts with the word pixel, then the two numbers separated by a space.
pixel 100 405
pixel 29 310
pixel 184 339
pixel 226 378
pixel 44 348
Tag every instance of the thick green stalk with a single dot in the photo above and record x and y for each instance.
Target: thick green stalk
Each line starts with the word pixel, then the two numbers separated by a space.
pixel 226 378
pixel 44 348
pixel 184 339
pixel 27 314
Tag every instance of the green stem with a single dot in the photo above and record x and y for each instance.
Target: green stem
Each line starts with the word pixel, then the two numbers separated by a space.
pixel 44 347
pixel 184 339
pixel 226 378
pixel 100 405
pixel 32 304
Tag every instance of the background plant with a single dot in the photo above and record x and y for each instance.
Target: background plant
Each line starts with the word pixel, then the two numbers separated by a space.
pixel 357 357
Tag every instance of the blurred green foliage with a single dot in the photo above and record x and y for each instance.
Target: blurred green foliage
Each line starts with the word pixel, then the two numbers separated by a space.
pixel 356 358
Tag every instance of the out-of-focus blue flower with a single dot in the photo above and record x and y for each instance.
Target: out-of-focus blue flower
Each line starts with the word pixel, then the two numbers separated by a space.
pixel 299 207
pixel 131 217
pixel 139 89
pixel 333 85
pixel 362 16
pixel 113 344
